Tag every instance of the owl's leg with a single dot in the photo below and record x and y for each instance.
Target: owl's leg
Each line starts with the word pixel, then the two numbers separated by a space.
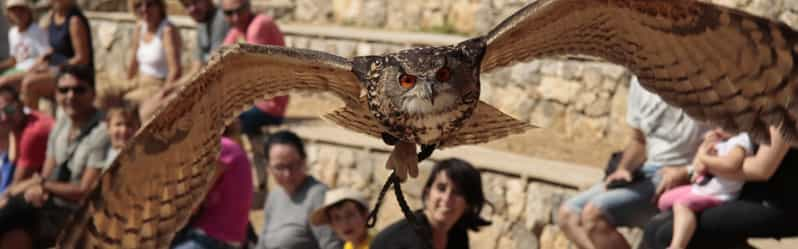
pixel 426 151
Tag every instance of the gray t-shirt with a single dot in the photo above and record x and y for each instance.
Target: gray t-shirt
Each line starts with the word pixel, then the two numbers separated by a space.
pixel 90 152
pixel 210 35
pixel 287 220
pixel 672 137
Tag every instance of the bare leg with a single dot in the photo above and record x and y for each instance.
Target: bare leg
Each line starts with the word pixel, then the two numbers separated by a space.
pixel 37 85
pixel 683 226
pixel 603 234
pixel 570 225
pixel 13 80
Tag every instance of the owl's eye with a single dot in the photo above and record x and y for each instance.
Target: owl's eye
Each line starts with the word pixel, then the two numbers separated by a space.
pixel 443 74
pixel 407 81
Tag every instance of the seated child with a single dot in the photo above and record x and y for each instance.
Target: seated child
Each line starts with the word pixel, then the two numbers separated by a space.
pixel 346 211
pixel 123 122
pixel 720 151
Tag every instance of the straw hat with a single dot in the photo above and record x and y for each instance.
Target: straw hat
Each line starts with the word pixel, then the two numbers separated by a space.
pixel 335 196
pixel 18 3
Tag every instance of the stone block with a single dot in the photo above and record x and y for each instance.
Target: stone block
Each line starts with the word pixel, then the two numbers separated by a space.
pixel 592 78
pixel 598 107
pixel 553 238
pixel 404 14
pixel 765 8
pixel 487 237
pixel 322 45
pixel 542 200
pixel 313 11
pixel 363 49
pixel 790 18
pixel 493 186
pixel 617 127
pixel 527 74
pixel 558 89
pixel 547 113
pixel 582 126
pixel 515 195
pixel 551 68
pixel 613 71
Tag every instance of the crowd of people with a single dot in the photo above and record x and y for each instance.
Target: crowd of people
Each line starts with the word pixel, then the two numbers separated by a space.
pixel 677 178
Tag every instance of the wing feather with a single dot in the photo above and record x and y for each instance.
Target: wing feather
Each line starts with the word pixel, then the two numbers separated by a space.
pixel 720 65
pixel 150 190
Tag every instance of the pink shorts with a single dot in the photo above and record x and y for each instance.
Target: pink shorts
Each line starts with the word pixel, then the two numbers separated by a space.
pixel 684 195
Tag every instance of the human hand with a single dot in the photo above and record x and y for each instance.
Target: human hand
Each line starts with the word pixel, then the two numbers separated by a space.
pixel 670 177
pixel 36 196
pixel 620 174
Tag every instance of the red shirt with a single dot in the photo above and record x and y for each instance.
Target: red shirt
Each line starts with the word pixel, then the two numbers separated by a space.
pixel 32 142
pixel 262 30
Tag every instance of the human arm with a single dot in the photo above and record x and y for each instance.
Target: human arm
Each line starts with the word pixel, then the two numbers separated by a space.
pixel 74 191
pixel 764 163
pixel 634 155
pixel 715 164
pixel 132 63
pixel 79 35
pixel 172 47
pixel 8 63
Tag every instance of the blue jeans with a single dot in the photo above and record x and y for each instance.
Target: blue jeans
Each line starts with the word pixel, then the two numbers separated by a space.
pixel 631 205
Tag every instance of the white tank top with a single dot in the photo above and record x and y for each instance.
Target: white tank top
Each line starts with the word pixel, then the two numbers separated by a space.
pixel 151 56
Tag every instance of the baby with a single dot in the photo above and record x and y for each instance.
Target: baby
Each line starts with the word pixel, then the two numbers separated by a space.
pixel 720 152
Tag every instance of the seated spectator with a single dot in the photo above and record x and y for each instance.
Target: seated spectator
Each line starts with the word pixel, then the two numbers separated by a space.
pixel 156 51
pixel 347 212
pixel 288 206
pixel 76 151
pixel 664 140
pixel 27 43
pixel 29 131
pixel 211 30
pixel 765 209
pixel 453 199
pixel 224 215
pixel 707 190
pixel 123 121
pixel 70 39
pixel 6 167
pixel 249 27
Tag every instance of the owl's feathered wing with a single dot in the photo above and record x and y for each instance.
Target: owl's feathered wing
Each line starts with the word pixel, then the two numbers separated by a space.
pixel 150 190
pixel 720 65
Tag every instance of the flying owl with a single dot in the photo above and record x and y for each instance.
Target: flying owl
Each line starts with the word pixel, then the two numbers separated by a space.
pixel 720 65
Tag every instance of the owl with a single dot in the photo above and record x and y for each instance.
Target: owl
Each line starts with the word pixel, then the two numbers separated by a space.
pixel 722 66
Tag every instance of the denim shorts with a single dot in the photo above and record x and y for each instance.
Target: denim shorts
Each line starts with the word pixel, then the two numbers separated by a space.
pixel 631 205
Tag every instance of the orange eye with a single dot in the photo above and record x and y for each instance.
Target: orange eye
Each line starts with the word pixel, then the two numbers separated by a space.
pixel 407 81
pixel 443 74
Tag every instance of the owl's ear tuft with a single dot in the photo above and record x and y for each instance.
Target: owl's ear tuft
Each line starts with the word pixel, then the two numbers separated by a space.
pixel 363 66
pixel 473 49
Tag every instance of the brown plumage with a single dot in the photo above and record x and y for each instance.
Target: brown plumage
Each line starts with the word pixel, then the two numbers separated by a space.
pixel 722 66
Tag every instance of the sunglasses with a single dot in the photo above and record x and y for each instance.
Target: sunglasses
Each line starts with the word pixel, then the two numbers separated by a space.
pixel 230 12
pixel 78 90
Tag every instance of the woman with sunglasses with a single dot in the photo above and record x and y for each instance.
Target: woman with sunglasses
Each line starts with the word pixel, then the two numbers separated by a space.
pixel 70 39
pixel 155 59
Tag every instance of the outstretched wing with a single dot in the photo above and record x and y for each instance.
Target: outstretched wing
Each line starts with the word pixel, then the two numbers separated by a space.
pixel 720 65
pixel 155 183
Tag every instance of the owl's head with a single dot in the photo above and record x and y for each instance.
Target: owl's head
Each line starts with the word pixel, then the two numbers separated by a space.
pixel 422 80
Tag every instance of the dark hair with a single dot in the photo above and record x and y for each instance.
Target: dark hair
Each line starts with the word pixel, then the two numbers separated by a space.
pixel 468 181
pixel 83 73
pixel 11 91
pixel 285 137
pixel 360 208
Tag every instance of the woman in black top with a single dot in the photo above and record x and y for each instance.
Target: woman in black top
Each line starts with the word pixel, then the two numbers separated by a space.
pixel 766 208
pixel 70 40
pixel 453 199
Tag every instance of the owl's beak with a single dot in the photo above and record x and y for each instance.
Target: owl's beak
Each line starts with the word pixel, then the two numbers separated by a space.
pixel 428 93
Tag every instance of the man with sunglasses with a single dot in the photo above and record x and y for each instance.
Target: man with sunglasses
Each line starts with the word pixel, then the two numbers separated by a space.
pixel 76 151
pixel 250 27
pixel 28 134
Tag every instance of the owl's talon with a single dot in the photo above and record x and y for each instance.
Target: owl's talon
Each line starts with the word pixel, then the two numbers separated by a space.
pixel 389 139
pixel 426 151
